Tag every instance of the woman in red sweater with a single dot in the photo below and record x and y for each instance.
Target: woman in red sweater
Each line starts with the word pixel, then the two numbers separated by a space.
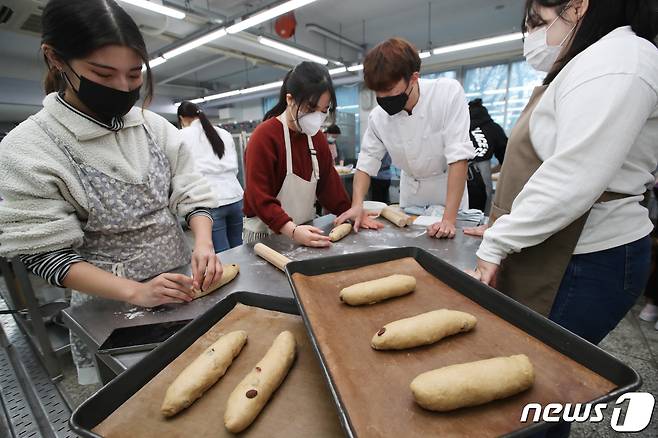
pixel 288 163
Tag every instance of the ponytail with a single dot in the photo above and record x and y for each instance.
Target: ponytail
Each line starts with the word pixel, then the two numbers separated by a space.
pixel 188 109
pixel 282 104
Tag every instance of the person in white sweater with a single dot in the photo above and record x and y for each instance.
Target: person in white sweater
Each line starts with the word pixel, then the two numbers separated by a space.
pixel 92 186
pixel 591 134
pixel 216 158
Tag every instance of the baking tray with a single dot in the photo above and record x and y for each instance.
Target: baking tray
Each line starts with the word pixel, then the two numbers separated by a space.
pixel 129 405
pixel 371 388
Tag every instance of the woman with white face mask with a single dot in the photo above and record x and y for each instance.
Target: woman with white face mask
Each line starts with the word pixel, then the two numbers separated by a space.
pixel 288 163
pixel 568 234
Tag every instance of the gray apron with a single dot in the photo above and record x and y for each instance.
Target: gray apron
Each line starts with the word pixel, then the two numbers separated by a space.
pixel 129 232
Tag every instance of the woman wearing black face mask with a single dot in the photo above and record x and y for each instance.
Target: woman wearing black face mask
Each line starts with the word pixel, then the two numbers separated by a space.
pixel 424 126
pixel 91 185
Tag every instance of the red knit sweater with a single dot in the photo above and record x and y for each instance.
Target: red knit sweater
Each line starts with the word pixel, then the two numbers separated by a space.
pixel 265 169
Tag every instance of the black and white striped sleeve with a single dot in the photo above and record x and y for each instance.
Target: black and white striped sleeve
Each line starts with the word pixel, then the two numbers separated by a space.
pixel 199 211
pixel 53 265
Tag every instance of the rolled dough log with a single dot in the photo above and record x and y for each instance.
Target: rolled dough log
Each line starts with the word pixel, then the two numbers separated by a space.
pixel 252 393
pixel 473 383
pixel 202 373
pixel 230 272
pixel 339 232
pixel 397 216
pixel 370 292
pixel 426 328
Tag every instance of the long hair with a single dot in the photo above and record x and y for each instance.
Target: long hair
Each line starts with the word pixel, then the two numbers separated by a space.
pixel 601 18
pixel 306 83
pixel 75 28
pixel 189 109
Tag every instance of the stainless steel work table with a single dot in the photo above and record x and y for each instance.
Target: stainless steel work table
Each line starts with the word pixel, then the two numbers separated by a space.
pixel 95 320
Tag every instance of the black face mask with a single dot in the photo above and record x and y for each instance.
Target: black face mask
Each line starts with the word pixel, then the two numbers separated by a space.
pixel 393 104
pixel 107 102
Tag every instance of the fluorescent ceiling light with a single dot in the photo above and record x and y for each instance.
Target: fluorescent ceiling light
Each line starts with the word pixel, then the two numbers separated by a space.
pixel 292 50
pixel 353 68
pixel 478 43
pixel 195 101
pixel 222 95
pixel 195 43
pixel 151 6
pixel 424 55
pixel 337 70
pixel 268 14
pixel 156 62
pixel 262 87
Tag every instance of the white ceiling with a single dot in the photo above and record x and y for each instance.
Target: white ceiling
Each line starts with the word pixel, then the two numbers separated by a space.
pixel 246 62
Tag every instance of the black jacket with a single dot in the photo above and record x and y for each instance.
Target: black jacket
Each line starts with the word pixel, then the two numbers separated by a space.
pixel 488 137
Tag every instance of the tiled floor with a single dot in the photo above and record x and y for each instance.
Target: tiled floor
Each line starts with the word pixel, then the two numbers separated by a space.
pixel 635 342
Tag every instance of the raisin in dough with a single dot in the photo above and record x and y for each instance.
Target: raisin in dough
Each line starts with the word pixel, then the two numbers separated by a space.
pixel 252 393
pixel 203 372
pixel 370 292
pixel 426 328
pixel 473 383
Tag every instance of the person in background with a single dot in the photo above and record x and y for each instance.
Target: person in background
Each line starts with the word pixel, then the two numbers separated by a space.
pixel 333 132
pixel 92 185
pixel 489 139
pixel 216 158
pixel 380 184
pixel 288 163
pixel 424 126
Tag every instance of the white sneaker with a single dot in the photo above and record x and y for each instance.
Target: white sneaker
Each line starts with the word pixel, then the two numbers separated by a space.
pixel 649 313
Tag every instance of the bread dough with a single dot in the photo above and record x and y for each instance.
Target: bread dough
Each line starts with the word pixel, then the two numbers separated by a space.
pixel 252 393
pixel 370 292
pixel 474 383
pixel 339 232
pixel 426 328
pixel 230 272
pixel 202 373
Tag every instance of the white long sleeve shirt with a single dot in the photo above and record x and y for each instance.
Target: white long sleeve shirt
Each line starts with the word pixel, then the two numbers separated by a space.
pixel 425 142
pixel 596 130
pixel 220 173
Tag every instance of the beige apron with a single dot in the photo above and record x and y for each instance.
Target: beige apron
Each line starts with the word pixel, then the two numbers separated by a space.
pixel 297 196
pixel 533 276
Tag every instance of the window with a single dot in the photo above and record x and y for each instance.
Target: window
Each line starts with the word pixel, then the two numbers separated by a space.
pixel 489 84
pixel 523 79
pixel 504 89
pixel 451 74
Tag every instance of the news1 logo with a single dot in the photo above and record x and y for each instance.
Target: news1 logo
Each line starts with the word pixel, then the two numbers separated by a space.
pixel 638 412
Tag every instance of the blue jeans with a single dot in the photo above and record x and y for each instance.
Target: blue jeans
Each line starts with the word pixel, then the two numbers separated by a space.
pixel 227 226
pixel 599 288
pixel 596 292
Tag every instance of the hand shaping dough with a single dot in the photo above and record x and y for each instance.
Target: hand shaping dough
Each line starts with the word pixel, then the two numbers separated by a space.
pixel 252 393
pixel 472 384
pixel 202 373
pixel 426 328
pixel 340 231
pixel 370 292
pixel 230 272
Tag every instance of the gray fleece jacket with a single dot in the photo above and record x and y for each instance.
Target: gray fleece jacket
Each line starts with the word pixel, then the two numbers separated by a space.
pixel 44 205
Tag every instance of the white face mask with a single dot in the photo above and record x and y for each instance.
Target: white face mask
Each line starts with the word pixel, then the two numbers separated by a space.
pixel 311 123
pixel 538 53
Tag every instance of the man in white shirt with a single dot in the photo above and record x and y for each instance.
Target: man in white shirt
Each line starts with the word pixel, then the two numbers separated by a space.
pixel 424 126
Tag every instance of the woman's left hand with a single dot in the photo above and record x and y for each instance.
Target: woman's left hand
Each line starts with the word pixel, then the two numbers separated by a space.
pixel 445 229
pixel 485 272
pixel 206 267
